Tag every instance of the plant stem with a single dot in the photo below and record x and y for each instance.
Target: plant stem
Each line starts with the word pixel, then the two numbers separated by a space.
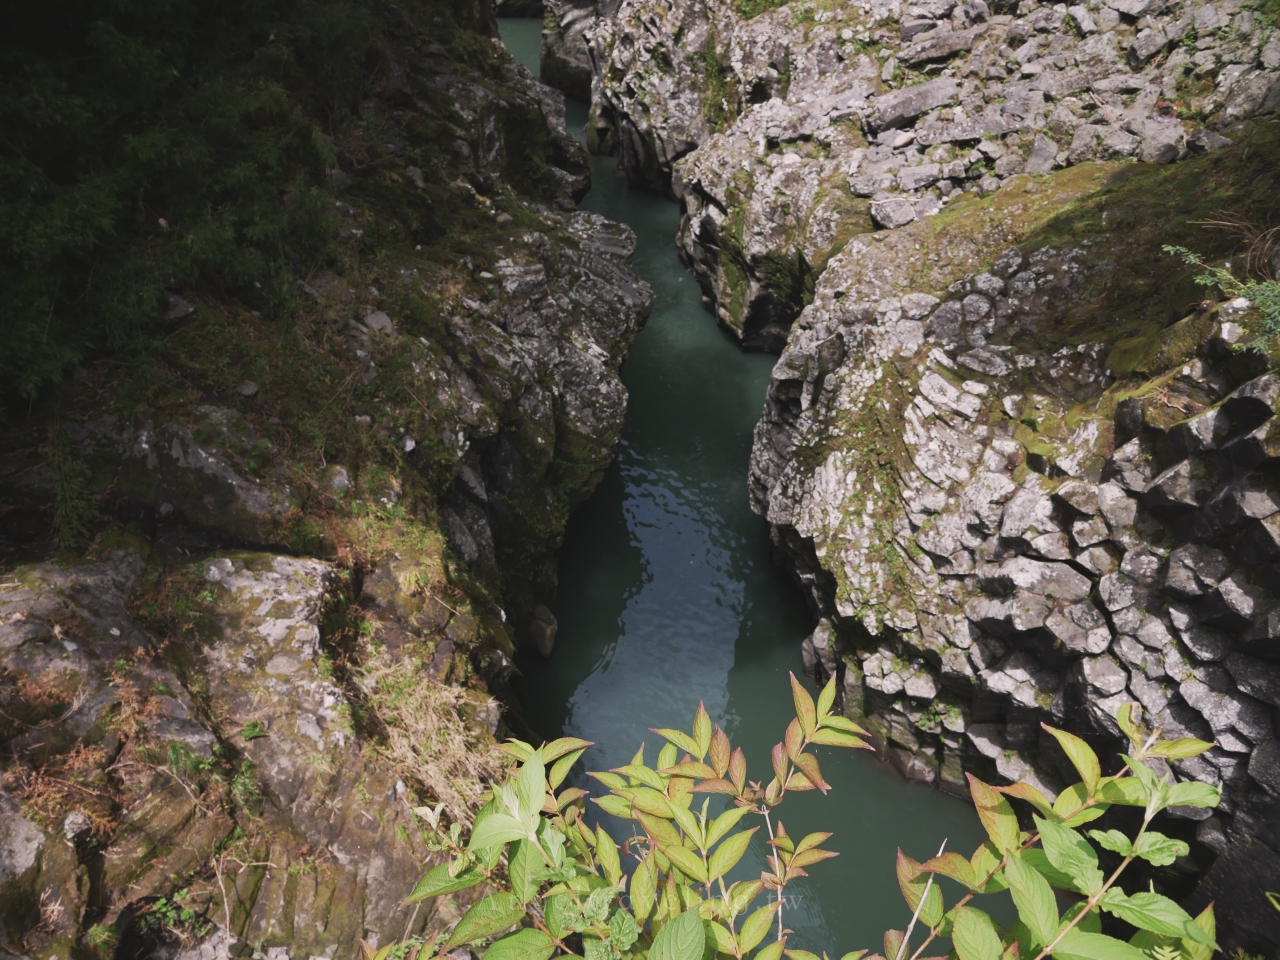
pixel 906 937
pixel 1093 901
pixel 778 893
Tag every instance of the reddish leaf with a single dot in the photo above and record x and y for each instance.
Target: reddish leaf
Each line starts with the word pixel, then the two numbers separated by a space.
pixel 716 785
pixel 738 769
pixel 690 768
pixel 809 764
pixel 794 739
pixel 996 815
pixel 720 751
pixel 779 757
pixel 806 713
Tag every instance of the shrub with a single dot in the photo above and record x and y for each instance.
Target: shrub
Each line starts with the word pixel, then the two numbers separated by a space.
pixel 562 878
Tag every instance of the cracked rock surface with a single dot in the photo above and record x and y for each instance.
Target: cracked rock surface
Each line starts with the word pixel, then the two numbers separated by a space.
pixel 786 133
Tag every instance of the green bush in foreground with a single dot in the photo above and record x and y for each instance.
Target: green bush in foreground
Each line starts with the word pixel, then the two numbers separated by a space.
pixel 562 878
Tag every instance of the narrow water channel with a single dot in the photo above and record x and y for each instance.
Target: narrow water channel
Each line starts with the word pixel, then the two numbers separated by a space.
pixel 668 595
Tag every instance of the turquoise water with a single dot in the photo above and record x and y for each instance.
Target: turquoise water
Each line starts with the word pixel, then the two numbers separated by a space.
pixel 668 596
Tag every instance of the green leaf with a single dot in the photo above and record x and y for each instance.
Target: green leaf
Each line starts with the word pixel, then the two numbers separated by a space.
pixel 805 711
pixel 1193 794
pixel 643 889
pixel 773 951
pixel 524 864
pixel 955 866
pixel 557 908
pixel 1113 840
pixel 617 806
pixel 1160 850
pixel 724 823
pixel 974 935
pixel 666 756
pixel 1094 946
pixel 680 939
pixel 565 745
pixel 437 881
pixel 1039 861
pixel 702 731
pixel 531 787
pixel 495 829
pixel 1206 921
pixel 610 780
pixel 1071 853
pixel 1025 791
pixel 521 945
pixel 607 856
pixel 1033 898
pixel 1081 756
pixel 638 772
pixel 687 862
pixel 623 931
pixel 1126 791
pixel 837 722
pixel 560 769
pixel 594 949
pixel 679 738
pixel 838 738
pixel 1151 911
pixel 996 815
pixel 827 698
pixel 491 915
pixel 727 855
pixel 1179 749
pixel 986 864
pixel 756 927
pixel 720 936
pixel 596 909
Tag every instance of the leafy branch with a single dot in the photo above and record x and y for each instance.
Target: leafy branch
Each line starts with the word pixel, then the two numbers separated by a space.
pixel 563 883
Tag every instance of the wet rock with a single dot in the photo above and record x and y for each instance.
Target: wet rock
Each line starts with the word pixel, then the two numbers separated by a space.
pixel 542 631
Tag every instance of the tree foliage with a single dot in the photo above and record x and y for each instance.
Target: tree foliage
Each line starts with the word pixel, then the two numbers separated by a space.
pixel 145 140
pixel 565 887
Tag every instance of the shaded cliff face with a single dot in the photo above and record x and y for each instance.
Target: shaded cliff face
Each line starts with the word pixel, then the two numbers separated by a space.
pixel 264 580
pixel 787 132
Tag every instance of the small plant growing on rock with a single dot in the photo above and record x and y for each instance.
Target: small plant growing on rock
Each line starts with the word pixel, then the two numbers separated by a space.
pixel 1263 292
pixel 565 889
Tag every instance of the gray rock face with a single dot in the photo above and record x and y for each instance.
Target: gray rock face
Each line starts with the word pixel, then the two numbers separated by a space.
pixel 1054 573
pixel 259 660
pixel 748 121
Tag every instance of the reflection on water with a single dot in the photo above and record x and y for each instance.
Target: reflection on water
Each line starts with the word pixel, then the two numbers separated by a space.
pixel 668 595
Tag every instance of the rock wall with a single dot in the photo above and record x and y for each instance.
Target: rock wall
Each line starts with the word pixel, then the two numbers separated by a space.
pixel 1008 515
pixel 788 132
pixel 263 589
pixel 1020 467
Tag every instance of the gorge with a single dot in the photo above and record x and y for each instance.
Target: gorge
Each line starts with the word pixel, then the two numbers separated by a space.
pixel 303 520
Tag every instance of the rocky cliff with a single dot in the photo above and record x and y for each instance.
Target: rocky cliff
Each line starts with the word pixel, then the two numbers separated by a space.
pixel 1017 458
pixel 264 582
pixel 788 131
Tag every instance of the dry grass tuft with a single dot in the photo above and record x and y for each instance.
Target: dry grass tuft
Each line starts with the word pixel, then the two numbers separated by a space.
pixel 1261 245
pixel 71 781
pixel 427 736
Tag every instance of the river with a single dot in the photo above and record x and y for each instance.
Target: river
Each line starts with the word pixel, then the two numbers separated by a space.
pixel 668 595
